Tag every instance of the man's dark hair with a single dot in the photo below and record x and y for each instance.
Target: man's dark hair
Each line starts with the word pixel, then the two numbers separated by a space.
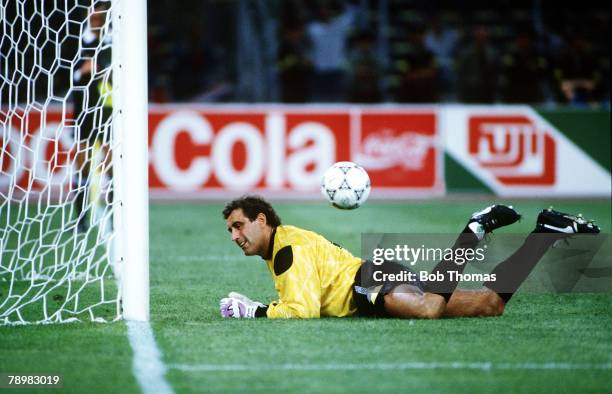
pixel 252 206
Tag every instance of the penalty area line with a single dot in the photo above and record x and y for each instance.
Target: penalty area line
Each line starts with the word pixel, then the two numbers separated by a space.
pixel 482 366
pixel 147 365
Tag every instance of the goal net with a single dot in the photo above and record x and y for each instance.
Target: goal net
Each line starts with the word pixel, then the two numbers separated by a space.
pixel 60 210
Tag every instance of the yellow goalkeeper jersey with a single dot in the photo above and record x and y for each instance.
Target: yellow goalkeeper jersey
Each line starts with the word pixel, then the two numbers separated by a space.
pixel 313 276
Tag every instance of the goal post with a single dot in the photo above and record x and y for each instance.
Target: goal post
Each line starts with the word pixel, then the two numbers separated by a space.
pixel 132 74
pixel 73 161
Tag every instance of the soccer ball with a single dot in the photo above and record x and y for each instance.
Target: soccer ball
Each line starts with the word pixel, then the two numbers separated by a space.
pixel 346 185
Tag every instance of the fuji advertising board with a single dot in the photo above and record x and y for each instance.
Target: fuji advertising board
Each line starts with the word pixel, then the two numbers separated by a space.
pixel 516 152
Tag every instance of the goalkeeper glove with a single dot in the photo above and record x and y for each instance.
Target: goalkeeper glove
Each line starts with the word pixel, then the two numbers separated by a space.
pixel 239 306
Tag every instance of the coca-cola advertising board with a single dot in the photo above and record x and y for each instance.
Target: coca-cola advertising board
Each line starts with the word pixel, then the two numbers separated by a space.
pixel 35 152
pixel 219 151
pixel 200 152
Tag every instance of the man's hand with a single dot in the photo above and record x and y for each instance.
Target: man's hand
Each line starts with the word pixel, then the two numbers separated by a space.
pixel 238 306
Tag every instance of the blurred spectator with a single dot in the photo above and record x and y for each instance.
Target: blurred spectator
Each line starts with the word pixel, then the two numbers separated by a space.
pixel 497 64
pixel 328 35
pixel 418 72
pixel 294 66
pixel 159 64
pixel 364 70
pixel 477 69
pixel 442 42
pixel 523 71
pixel 159 91
pixel 193 62
pixel 577 73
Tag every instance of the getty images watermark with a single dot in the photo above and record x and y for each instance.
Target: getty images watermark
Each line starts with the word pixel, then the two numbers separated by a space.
pixel 411 256
pixel 580 263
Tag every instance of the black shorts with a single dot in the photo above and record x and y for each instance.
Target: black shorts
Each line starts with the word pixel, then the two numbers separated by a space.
pixel 372 283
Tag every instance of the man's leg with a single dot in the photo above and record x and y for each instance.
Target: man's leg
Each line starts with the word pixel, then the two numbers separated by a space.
pixel 511 273
pixel 410 302
pixel 480 223
pixel 85 136
pixel 471 303
pixel 406 301
pixel 80 184
pixel 105 137
pixel 551 227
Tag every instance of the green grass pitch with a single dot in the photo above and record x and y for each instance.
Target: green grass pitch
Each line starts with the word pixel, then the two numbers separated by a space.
pixel 194 264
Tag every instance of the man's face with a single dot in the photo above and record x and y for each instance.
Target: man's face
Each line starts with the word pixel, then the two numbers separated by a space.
pixel 252 237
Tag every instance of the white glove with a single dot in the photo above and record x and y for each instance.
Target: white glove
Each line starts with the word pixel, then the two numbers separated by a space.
pixel 238 306
pixel 243 298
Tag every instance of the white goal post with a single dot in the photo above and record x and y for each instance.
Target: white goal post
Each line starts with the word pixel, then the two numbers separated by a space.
pixel 73 161
pixel 132 72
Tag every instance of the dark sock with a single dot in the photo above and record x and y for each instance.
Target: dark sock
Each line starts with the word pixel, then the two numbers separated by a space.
pixel 111 193
pixel 80 201
pixel 467 240
pixel 513 271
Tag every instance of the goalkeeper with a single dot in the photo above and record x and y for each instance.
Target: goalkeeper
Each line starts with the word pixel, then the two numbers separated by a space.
pixel 315 277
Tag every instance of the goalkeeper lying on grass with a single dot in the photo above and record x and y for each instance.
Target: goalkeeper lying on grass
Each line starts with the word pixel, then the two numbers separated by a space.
pixel 315 277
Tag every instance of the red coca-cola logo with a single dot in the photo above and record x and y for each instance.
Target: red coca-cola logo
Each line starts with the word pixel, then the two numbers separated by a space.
pixel 399 149
pixel 385 150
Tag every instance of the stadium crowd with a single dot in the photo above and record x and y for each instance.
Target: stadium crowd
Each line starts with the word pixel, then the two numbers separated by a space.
pixel 367 51
pixel 363 51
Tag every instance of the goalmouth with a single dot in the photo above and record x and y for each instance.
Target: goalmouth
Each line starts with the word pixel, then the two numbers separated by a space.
pixel 73 161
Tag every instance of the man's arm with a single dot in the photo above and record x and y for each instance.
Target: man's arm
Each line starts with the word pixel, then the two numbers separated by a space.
pixel 240 306
pixel 298 284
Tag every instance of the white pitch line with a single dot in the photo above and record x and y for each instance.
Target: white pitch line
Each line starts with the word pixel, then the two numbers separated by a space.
pixel 147 365
pixel 483 366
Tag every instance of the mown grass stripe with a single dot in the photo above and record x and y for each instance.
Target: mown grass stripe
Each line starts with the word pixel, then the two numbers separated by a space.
pixel 483 366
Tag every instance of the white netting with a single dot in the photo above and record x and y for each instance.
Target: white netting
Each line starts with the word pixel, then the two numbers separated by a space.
pixel 56 194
